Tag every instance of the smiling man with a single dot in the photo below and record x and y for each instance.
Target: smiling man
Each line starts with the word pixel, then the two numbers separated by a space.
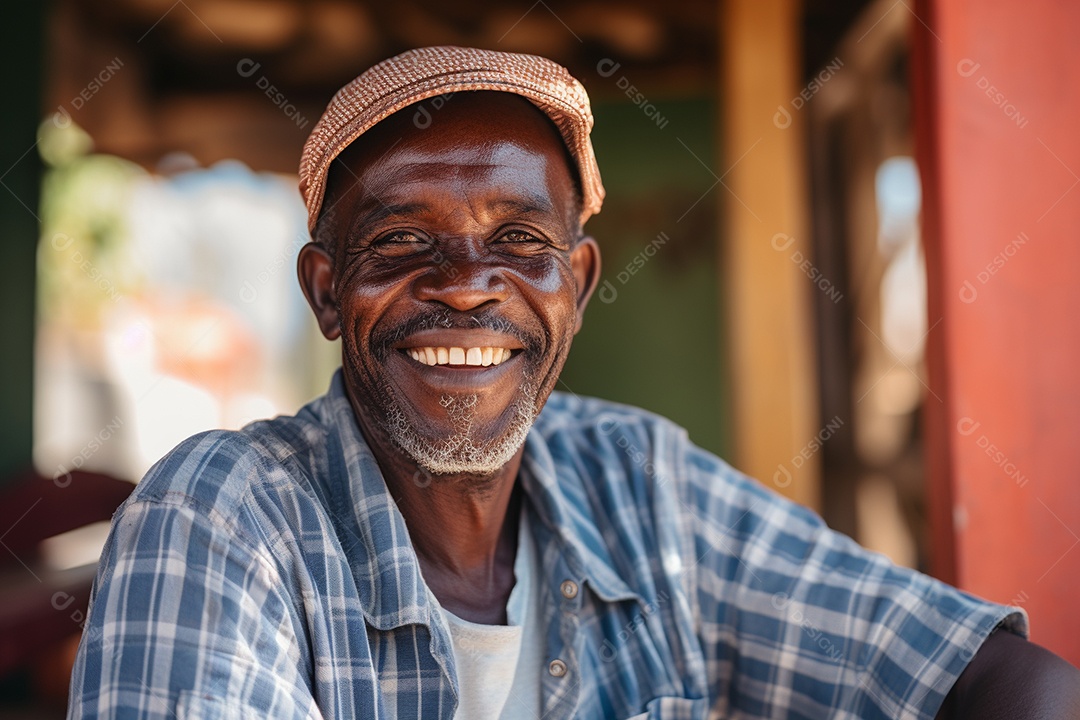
pixel 441 535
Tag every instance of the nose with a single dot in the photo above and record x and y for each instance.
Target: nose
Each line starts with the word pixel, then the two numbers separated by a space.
pixel 463 280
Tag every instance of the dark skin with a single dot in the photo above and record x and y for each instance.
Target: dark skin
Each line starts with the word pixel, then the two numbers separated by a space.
pixel 1013 679
pixel 484 223
pixel 476 219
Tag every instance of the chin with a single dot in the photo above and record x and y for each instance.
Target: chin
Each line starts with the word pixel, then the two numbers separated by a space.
pixel 460 447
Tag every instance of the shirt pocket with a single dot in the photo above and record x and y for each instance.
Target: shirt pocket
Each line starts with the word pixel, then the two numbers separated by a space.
pixel 192 706
pixel 674 708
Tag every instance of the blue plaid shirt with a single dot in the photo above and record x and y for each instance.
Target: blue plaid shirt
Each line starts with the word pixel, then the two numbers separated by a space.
pixel 268 573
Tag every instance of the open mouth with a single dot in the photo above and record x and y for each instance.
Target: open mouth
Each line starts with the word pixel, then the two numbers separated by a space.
pixel 459 356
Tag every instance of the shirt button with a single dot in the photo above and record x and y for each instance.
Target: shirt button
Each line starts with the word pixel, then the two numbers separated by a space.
pixel 557 668
pixel 569 589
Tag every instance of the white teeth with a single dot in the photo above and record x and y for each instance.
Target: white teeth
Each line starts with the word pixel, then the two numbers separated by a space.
pixel 475 356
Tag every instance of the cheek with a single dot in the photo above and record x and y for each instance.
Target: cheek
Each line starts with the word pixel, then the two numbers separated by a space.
pixel 362 304
pixel 550 289
pixel 553 277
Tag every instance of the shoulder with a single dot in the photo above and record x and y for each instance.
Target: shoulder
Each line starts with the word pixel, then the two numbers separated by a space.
pixel 572 411
pixel 223 475
pixel 657 454
pixel 591 429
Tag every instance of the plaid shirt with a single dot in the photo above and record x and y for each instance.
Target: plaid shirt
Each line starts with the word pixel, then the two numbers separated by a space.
pixel 268 573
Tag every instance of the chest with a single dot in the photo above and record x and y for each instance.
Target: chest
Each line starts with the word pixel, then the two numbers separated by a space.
pixel 599 659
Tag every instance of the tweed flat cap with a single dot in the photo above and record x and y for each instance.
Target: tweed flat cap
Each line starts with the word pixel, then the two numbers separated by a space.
pixel 418 74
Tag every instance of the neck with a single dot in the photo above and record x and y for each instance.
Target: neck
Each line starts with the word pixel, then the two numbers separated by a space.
pixel 463 527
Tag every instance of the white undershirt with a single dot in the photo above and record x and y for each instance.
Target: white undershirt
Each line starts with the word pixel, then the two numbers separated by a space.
pixel 499 666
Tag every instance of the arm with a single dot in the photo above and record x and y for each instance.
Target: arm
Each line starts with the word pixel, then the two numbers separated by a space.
pixel 1013 679
pixel 187 620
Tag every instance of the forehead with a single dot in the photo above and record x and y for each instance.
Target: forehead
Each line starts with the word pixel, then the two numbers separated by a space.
pixel 481 142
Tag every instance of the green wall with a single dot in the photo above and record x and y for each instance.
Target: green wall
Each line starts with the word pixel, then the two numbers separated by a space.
pixel 652 332
pixel 21 48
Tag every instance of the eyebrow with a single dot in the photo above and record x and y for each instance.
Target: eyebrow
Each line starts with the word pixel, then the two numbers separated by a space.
pixel 382 211
pixel 530 205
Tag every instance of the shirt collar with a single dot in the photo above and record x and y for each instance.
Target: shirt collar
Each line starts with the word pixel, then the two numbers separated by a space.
pixel 559 494
pixel 376 540
pixel 372 530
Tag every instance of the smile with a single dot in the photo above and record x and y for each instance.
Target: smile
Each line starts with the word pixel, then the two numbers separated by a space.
pixel 459 356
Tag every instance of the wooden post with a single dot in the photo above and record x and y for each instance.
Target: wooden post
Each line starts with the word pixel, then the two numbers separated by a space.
pixel 997 96
pixel 765 247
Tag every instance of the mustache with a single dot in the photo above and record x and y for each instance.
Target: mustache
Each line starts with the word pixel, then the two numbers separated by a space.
pixel 382 341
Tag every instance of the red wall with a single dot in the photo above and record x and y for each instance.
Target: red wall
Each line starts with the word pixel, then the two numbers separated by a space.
pixel 997 103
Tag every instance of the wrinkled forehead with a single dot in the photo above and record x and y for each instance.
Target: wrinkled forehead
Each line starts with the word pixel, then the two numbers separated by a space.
pixel 462 128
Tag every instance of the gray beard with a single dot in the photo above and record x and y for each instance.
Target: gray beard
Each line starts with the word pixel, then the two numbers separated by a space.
pixel 458 453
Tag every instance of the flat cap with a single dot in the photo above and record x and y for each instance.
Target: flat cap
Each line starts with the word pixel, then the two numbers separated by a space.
pixel 419 74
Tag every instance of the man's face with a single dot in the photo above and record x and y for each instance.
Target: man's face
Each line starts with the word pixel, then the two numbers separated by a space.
pixel 459 278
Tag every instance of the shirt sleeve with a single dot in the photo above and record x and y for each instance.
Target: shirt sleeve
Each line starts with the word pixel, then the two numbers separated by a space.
pixel 187 620
pixel 799 621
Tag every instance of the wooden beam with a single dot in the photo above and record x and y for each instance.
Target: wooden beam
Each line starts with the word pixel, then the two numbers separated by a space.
pixel 764 260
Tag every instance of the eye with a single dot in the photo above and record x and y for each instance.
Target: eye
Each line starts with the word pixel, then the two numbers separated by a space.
pixel 400 244
pixel 520 242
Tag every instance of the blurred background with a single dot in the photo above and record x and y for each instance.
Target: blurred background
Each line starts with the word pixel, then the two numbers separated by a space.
pixel 838 248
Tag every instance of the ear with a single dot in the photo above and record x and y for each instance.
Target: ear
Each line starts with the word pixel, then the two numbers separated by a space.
pixel 316 272
pixel 585 262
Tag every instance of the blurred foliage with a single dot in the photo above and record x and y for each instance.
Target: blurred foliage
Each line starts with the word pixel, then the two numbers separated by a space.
pixel 84 202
